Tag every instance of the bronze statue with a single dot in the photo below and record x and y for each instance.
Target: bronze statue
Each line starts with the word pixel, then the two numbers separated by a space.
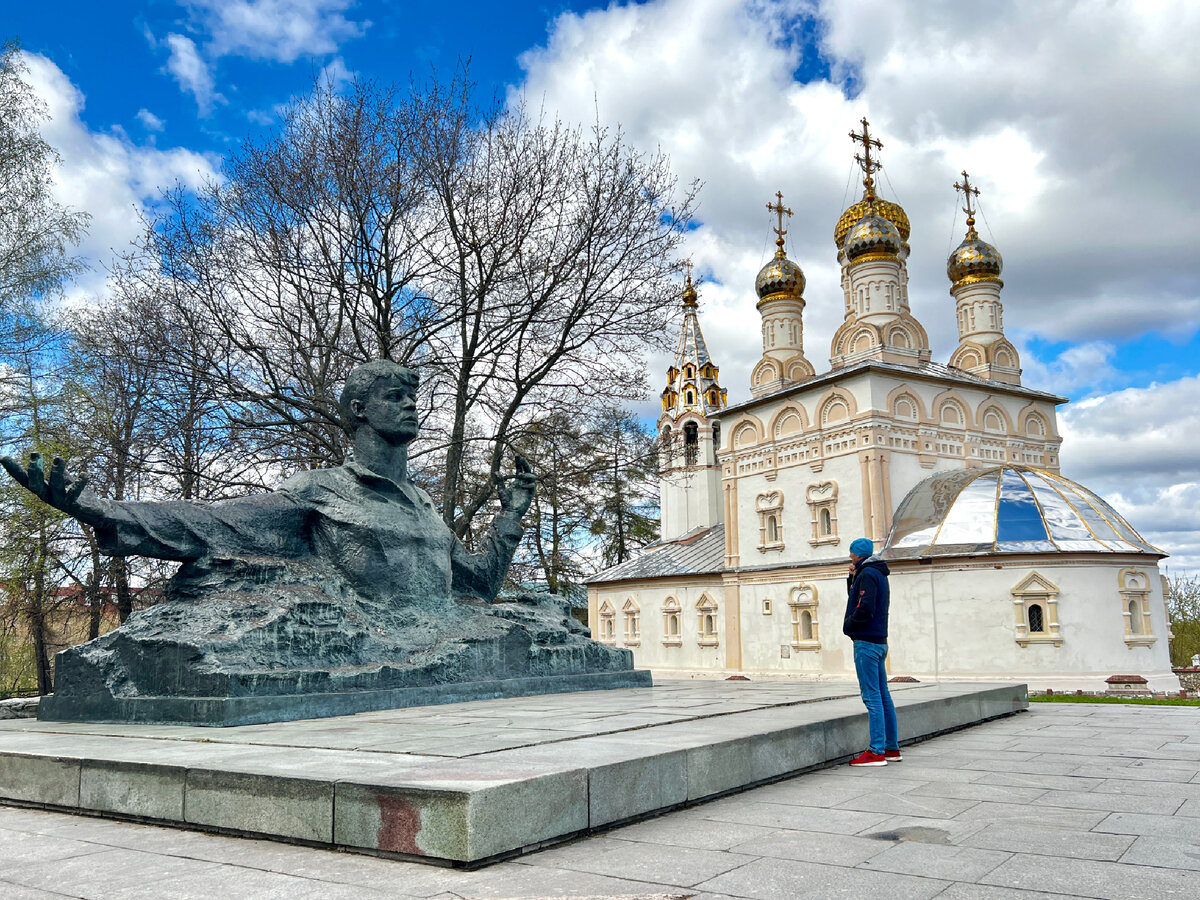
pixel 344 580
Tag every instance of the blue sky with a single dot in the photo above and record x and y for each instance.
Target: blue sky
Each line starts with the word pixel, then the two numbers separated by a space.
pixel 1070 116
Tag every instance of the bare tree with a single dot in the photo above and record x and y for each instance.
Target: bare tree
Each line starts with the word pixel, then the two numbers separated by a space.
pixel 521 264
pixel 1183 606
pixel 36 233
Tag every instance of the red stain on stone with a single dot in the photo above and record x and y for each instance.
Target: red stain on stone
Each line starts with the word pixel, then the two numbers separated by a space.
pixel 399 822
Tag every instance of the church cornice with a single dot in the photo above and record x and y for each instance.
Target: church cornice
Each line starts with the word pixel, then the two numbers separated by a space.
pixel 937 373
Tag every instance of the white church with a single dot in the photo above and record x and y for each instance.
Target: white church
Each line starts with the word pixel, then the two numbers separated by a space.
pixel 1002 569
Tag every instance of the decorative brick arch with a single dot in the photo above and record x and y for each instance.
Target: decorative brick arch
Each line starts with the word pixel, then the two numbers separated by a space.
pixel 791 419
pixel 833 399
pixel 904 392
pixel 991 406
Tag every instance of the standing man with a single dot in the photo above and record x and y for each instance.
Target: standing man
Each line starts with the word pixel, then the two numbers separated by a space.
pixel 866 623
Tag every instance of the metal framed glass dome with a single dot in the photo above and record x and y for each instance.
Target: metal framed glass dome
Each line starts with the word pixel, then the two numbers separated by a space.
pixel 1007 509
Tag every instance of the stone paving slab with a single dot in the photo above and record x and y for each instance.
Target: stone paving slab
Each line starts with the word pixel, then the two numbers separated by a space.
pixel 475 781
pixel 801 854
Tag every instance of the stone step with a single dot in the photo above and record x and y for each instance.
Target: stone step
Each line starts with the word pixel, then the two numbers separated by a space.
pixel 468 783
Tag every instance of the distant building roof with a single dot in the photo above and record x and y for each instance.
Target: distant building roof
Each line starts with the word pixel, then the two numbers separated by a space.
pixel 700 551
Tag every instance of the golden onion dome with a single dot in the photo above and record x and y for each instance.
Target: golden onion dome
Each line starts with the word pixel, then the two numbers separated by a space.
pixel 873 234
pixel 779 276
pixel 975 260
pixel 871 205
pixel 690 297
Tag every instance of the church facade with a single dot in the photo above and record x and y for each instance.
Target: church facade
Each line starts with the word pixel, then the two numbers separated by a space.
pixel 1001 568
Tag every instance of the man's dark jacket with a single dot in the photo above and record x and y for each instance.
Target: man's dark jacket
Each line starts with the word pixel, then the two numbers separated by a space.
pixel 867 604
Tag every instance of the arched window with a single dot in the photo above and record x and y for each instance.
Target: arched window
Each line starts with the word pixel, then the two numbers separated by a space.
pixel 706 614
pixel 691 444
pixel 826 523
pixel 1035 602
pixel 1134 587
pixel 1135 625
pixel 608 623
pixel 716 435
pixel 770 520
pixel 689 371
pixel 689 397
pixel 803 604
pixel 633 623
pixel 671 636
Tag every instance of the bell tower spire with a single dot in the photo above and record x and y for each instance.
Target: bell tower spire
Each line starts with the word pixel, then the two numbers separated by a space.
pixel 689 477
pixel 974 272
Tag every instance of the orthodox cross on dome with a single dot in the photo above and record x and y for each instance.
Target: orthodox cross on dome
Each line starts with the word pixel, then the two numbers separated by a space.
pixel 866 163
pixel 969 191
pixel 687 266
pixel 780 211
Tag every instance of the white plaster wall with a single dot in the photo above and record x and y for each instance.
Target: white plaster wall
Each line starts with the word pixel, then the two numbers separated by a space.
pixel 650 652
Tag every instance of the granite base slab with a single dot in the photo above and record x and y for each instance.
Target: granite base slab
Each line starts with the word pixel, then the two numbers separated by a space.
pixel 254 710
pixel 470 782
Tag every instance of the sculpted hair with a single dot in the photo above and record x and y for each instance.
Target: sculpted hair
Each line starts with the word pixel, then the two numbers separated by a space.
pixel 360 381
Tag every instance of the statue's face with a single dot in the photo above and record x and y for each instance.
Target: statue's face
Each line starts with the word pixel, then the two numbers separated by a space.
pixel 391 410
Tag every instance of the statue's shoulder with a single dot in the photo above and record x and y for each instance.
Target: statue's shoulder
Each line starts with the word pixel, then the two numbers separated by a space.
pixel 318 481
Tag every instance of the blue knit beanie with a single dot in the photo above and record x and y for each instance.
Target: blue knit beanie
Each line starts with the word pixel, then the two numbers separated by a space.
pixel 862 547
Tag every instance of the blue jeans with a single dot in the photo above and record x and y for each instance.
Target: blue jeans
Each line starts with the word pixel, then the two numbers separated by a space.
pixel 872 681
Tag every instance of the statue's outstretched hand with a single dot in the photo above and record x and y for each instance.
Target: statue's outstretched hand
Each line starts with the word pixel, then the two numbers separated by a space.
pixel 515 498
pixel 59 490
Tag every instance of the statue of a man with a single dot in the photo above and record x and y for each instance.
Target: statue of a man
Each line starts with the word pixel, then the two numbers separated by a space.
pixel 339 592
pixel 365 522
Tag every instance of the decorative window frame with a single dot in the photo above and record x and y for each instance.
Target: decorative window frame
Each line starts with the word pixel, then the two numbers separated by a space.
pixel 672 613
pixel 770 507
pixel 608 624
pixel 822 498
pixel 706 616
pixel 1036 590
pixel 803 601
pixel 631 615
pixel 767 606
pixel 1134 587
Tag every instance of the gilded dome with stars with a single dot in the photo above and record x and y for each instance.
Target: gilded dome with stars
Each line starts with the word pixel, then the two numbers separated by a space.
pixel 873 234
pixel 779 276
pixel 974 260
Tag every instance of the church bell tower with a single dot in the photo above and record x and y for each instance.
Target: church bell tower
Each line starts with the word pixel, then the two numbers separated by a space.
pixel 689 477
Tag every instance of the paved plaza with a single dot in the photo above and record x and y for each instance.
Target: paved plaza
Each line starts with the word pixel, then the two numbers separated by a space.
pixel 1065 800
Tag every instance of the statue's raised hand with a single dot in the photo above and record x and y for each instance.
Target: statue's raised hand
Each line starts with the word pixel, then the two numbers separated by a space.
pixel 59 490
pixel 515 498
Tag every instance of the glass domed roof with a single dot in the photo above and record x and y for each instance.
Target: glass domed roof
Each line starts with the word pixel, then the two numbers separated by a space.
pixel 1007 509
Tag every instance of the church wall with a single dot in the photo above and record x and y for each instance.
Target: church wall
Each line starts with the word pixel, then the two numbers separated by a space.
pixel 653 648
pixel 968 614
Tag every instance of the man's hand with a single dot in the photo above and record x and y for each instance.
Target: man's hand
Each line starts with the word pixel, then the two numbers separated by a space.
pixel 515 499
pixel 59 490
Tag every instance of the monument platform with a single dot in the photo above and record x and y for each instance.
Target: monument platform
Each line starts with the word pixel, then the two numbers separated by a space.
pixel 468 783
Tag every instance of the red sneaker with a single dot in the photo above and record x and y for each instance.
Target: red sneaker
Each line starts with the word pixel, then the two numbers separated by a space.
pixel 867 758
pixel 892 755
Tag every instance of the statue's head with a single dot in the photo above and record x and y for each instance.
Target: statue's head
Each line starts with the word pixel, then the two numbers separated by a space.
pixel 382 395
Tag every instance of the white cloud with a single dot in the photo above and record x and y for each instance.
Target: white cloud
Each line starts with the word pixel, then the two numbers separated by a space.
pixel 280 30
pixel 1137 449
pixel 150 121
pixel 1072 117
pixel 1069 116
pixel 105 175
pixel 191 72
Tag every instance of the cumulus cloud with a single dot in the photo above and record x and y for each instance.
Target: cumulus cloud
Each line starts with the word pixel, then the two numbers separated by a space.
pixel 1137 449
pixel 192 72
pixel 105 175
pixel 279 30
pixel 149 120
pixel 1069 116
